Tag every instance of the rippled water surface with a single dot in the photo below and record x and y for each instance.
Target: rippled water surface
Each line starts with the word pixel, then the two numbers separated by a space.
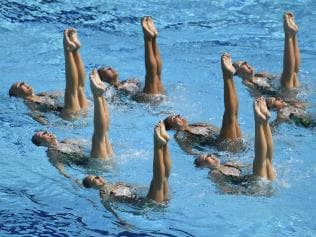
pixel 35 200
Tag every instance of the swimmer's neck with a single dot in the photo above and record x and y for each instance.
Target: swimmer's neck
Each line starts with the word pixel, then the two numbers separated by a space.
pixel 250 78
pixel 54 144
pixel 31 98
pixel 188 129
pixel 106 186
pixel 116 84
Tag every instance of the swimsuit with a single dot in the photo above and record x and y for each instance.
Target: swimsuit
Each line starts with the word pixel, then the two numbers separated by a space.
pixel 67 152
pixel 45 104
pixel 118 191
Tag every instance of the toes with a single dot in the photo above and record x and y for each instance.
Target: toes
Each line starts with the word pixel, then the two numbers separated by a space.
pixel 257 111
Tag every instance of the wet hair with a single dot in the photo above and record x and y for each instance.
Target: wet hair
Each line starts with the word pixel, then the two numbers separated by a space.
pixel 86 182
pixel 167 123
pixel 197 162
pixel 12 90
pixel 36 140
pixel 99 70
pixel 268 103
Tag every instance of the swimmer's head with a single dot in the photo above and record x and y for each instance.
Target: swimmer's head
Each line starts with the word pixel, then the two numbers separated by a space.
pixel 208 161
pixel 93 181
pixel 175 122
pixel 20 89
pixel 44 138
pixel 244 70
pixel 109 75
pixel 275 103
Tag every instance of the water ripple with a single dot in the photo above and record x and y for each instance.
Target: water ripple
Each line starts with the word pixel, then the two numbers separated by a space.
pixel 90 17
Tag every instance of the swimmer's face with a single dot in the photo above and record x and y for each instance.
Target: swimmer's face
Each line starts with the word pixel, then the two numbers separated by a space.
pixel 95 181
pixel 177 122
pixel 108 74
pixel 21 89
pixel 279 103
pixel 207 161
pixel 244 70
pixel 44 138
pixel 276 103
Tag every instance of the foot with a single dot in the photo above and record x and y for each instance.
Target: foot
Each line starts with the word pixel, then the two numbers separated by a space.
pixel 152 26
pixel 68 44
pixel 227 66
pixel 163 131
pixel 73 36
pixel 158 139
pixel 263 108
pixel 97 86
pixel 147 32
pixel 289 24
pixel 292 22
pixel 259 116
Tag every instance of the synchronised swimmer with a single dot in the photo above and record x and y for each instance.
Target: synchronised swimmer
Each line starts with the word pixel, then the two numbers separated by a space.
pixel 263 87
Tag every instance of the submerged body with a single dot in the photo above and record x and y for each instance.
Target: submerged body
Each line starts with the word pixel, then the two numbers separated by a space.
pixel 158 190
pixel 228 137
pixel 153 64
pixel 262 164
pixel 61 152
pixel 75 101
pixel 289 112
pixel 264 83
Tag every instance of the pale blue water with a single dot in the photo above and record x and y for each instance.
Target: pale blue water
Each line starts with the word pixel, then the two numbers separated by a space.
pixel 37 201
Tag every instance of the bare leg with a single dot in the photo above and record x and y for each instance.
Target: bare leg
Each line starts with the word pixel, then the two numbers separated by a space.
pixel 152 81
pixel 297 59
pixel 71 103
pixel 107 140
pixel 166 158
pixel 101 118
pixel 157 187
pixel 153 29
pixel 260 142
pixel 230 128
pixel 262 164
pixel 269 141
pixel 81 71
pixel 288 74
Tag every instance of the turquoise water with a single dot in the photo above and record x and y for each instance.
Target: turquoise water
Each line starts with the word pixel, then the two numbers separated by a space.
pixel 36 201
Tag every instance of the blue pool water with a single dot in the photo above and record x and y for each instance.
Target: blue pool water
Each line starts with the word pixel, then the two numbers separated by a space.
pixel 35 200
